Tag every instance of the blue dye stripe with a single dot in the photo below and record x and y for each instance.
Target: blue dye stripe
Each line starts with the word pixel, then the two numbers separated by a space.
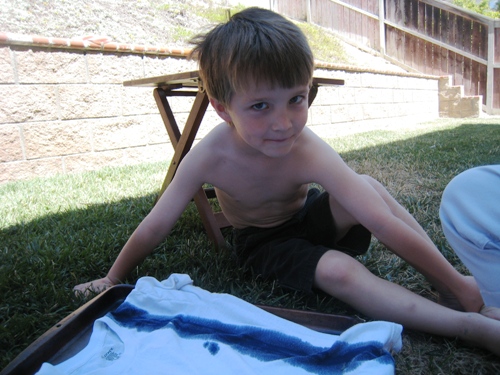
pixel 262 344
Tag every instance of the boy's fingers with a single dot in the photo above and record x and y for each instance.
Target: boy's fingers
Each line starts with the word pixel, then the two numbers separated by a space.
pixel 88 288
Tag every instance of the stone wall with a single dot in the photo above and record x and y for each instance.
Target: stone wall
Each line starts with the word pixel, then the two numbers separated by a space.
pixel 63 107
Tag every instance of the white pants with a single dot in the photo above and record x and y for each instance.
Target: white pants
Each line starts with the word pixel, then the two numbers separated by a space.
pixel 470 216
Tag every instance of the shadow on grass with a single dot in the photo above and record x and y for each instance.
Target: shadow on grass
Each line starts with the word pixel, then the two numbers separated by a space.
pixel 43 259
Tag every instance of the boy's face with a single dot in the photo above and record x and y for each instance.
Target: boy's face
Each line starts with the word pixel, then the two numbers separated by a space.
pixel 268 120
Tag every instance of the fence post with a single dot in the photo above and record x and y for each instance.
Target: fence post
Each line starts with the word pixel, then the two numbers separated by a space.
pixel 490 71
pixel 381 24
pixel 308 11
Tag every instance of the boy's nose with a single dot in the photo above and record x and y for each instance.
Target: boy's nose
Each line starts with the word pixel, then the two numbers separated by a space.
pixel 282 122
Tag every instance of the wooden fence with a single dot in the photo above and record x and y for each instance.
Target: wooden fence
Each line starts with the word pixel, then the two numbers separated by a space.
pixel 428 36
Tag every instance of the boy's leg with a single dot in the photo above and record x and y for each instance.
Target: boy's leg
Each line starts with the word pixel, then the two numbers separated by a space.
pixel 452 286
pixel 345 278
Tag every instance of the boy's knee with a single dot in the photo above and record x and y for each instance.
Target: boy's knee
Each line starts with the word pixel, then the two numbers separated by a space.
pixel 373 182
pixel 335 268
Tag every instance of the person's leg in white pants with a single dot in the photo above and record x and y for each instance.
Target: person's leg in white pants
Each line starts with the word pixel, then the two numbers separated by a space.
pixel 470 217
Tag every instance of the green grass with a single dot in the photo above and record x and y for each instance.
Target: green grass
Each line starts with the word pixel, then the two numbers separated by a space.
pixel 60 231
pixel 324 44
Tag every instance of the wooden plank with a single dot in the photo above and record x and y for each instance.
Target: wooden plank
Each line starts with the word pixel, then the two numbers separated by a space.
pixel 365 25
pixel 185 78
pixel 496 88
pixel 452 25
pixel 476 39
pixel 452 64
pixel 390 41
pixel 390 10
pixel 436 34
pixel 343 22
pixel 436 60
pixel 457 10
pixel 459 59
pixel 483 47
pixel 399 13
pixel 336 15
pixel 475 78
pixel 467 76
pixel 496 47
pixel 467 35
pixel 358 19
pixel 444 62
pixel 420 56
pixel 350 24
pixel 411 58
pixel 374 34
pixel 412 15
pixel 445 33
pixel 428 46
pixel 436 23
pixel 400 44
pixel 483 73
pixel 459 66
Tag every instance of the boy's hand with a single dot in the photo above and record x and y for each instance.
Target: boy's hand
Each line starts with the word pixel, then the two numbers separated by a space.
pixel 96 286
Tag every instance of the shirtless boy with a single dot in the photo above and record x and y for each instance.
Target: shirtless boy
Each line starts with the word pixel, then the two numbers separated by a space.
pixel 257 70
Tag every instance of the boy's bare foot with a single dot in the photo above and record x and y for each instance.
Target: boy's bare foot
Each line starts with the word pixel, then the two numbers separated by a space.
pixel 448 299
pixel 490 312
pixel 469 299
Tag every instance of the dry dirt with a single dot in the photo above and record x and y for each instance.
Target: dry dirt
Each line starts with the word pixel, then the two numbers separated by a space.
pixel 149 22
pixel 134 22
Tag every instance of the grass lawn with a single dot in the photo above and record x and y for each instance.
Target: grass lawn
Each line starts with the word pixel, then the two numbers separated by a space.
pixel 60 231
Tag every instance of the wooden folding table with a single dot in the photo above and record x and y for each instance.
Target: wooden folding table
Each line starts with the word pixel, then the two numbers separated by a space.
pixel 189 84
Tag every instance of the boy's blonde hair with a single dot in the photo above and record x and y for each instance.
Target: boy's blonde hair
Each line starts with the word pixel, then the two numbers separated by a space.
pixel 255 44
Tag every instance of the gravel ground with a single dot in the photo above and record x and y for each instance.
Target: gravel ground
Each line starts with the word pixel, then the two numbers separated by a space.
pixel 143 22
pixel 155 22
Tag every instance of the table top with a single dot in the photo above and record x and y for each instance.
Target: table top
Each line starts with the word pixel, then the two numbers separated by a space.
pixel 191 79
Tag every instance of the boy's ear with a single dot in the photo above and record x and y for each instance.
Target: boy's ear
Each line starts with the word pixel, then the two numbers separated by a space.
pixel 221 110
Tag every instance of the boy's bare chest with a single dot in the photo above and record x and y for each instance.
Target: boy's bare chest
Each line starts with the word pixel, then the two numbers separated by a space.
pixel 257 183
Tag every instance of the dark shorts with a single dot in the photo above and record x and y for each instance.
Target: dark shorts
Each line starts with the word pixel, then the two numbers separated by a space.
pixel 291 251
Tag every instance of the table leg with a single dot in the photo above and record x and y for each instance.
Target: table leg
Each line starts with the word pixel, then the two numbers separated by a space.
pixel 182 143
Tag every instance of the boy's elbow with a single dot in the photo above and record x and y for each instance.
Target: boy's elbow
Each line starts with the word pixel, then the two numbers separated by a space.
pixel 147 237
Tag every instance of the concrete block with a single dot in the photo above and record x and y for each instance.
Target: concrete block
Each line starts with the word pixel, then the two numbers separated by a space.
pixel 327 95
pixel 88 101
pixel 6 67
pixel 43 66
pixel 162 65
pixel 12 148
pixel 180 104
pixel 149 154
pixel 117 133
pixel 470 106
pixel 57 138
pixel 138 101
pixel 320 115
pixel 452 93
pixel 25 103
pixel 444 82
pixel 93 161
pixel 26 169
pixel 105 68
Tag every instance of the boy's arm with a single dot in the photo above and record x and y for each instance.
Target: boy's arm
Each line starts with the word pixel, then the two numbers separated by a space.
pixel 373 207
pixel 156 225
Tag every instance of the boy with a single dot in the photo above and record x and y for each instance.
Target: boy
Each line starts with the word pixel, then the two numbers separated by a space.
pixel 257 70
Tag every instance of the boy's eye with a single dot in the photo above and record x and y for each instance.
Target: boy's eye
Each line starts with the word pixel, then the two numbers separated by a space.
pixel 260 106
pixel 296 99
